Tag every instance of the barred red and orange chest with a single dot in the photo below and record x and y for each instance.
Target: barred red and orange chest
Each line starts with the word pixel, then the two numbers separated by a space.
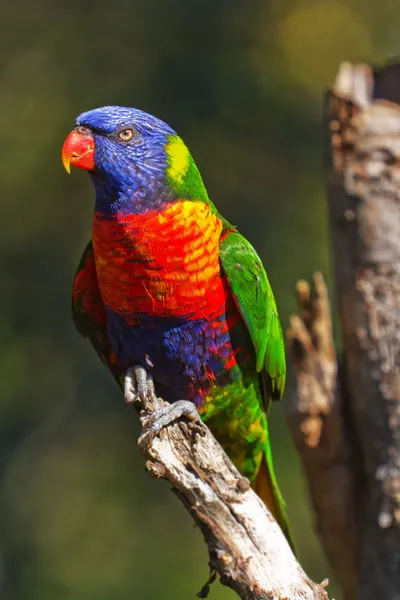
pixel 163 263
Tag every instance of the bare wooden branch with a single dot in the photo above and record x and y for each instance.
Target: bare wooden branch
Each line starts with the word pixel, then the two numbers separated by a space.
pixel 245 544
pixel 366 188
pixel 355 415
pixel 317 425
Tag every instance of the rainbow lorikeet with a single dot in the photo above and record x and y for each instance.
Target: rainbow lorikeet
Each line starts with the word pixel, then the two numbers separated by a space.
pixel 169 292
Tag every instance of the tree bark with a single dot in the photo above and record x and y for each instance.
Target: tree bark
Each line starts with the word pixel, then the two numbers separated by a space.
pixel 345 418
pixel 246 546
pixel 320 431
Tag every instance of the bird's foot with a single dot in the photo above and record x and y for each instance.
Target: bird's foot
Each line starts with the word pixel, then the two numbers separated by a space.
pixel 138 385
pixel 164 415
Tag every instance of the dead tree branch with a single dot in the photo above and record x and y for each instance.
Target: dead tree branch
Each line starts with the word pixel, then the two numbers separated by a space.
pixel 318 427
pixel 352 455
pixel 245 544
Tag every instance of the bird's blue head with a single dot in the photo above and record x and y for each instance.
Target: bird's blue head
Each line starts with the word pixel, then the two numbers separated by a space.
pixel 136 161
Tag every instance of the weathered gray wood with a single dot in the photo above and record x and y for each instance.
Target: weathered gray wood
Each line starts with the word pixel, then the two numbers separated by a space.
pixel 320 432
pixel 364 203
pixel 246 546
pixel 363 186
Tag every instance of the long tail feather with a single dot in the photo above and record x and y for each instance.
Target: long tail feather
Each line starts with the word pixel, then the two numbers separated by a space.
pixel 266 486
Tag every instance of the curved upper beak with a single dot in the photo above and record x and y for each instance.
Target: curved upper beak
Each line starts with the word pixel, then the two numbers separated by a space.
pixel 78 150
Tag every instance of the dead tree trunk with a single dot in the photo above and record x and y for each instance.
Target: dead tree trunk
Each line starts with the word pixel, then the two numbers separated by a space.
pixel 345 418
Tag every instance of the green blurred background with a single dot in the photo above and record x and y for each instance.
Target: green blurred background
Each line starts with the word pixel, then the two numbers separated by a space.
pixel 242 82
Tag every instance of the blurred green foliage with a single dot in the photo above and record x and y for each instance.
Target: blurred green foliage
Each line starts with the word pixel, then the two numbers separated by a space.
pixel 242 82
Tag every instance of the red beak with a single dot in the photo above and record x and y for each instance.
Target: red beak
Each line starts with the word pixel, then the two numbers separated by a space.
pixel 78 150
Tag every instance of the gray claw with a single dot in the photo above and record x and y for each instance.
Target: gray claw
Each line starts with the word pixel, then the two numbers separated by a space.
pixel 164 415
pixel 138 385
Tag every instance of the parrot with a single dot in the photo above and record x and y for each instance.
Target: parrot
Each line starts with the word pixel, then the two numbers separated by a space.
pixel 173 298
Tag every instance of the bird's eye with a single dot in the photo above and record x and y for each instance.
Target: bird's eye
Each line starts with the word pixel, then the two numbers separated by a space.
pixel 83 130
pixel 125 135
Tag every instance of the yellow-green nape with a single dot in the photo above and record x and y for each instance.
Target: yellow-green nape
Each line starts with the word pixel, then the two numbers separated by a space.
pixel 177 159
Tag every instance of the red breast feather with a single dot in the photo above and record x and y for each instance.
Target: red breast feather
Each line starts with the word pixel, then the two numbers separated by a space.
pixel 161 263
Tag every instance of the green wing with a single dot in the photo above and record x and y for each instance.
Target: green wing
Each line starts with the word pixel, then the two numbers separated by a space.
pixel 255 301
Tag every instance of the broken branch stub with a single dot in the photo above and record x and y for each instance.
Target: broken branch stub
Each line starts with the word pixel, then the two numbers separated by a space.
pixel 364 201
pixel 355 415
pixel 316 421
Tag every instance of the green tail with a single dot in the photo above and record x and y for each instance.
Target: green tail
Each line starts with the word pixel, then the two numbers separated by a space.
pixel 266 487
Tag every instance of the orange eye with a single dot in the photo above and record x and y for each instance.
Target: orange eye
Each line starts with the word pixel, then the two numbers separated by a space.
pixel 83 130
pixel 126 135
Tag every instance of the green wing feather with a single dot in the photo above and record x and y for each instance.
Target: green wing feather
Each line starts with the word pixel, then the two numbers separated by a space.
pixel 253 295
pixel 255 301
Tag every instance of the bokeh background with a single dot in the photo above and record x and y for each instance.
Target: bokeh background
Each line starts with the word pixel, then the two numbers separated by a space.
pixel 242 82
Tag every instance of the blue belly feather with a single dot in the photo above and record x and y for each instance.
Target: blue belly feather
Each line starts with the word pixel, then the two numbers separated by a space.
pixel 180 354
